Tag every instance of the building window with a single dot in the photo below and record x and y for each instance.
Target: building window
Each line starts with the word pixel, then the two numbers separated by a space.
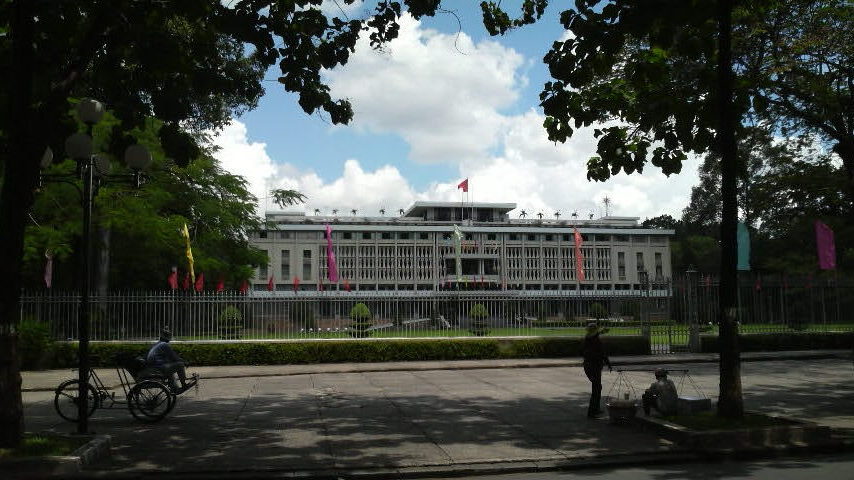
pixel 386 235
pixel 490 236
pixel 659 266
pixel 621 265
pixel 423 236
pixel 468 236
pixel 262 234
pixel 262 272
pixel 532 237
pixel 639 261
pixel 446 236
pixel 621 238
pixel 366 235
pixel 565 237
pixel 602 238
pixel 306 264
pixel 403 235
pixel 512 237
pixel 348 235
pixel 549 237
pixel 286 264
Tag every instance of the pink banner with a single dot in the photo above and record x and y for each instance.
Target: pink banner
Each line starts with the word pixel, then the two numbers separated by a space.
pixel 330 256
pixel 825 245
pixel 579 258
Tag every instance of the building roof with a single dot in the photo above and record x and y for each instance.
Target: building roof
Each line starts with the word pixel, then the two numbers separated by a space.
pixel 419 208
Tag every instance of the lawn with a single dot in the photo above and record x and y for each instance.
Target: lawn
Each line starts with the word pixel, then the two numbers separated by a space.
pixel 43 446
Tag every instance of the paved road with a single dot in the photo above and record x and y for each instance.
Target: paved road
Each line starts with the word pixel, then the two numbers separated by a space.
pixel 421 419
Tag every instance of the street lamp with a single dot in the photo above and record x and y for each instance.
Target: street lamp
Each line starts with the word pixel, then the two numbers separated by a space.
pixel 93 170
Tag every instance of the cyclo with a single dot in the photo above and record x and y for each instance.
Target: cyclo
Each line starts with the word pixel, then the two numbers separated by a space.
pixel 147 391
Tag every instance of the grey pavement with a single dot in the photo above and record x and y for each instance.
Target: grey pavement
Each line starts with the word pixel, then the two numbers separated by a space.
pixel 425 417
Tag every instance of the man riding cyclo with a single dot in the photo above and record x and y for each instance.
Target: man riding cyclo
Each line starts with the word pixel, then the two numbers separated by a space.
pixel 163 358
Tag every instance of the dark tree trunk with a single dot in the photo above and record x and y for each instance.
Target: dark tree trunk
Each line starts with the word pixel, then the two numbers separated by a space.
pixel 19 179
pixel 102 265
pixel 730 402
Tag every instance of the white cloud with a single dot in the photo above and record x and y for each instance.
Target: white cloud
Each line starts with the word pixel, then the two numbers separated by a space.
pixel 441 93
pixel 446 102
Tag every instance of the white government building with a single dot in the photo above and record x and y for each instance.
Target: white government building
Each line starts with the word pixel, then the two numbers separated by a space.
pixel 415 251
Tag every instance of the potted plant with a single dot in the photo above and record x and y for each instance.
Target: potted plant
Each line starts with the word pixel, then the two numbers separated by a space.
pixel 230 323
pixel 478 316
pixel 360 314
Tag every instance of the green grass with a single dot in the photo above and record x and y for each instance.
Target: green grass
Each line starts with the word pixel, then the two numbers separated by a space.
pixel 43 446
pixel 708 421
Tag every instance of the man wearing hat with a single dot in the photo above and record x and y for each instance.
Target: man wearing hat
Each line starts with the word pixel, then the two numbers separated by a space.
pixel 162 357
pixel 594 360
pixel 661 395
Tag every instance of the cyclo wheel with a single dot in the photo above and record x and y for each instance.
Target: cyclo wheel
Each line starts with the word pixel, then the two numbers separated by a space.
pixel 149 401
pixel 66 403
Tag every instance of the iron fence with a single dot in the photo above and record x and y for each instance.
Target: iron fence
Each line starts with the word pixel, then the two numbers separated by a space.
pixel 672 314
pixel 289 315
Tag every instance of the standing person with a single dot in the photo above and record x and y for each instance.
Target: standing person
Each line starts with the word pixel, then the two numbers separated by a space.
pixel 162 356
pixel 594 360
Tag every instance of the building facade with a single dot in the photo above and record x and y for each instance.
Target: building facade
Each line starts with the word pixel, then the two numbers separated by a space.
pixel 416 251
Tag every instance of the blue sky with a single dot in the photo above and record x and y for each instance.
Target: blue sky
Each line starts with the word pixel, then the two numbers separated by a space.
pixel 436 106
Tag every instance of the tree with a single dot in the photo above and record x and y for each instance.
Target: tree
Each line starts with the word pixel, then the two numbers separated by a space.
pixel 185 62
pixel 360 315
pixel 144 224
pixel 661 77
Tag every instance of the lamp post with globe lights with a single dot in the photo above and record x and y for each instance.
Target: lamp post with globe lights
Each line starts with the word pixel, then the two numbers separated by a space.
pixel 93 170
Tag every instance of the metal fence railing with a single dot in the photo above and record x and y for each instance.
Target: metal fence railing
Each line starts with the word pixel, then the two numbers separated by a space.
pixel 665 312
pixel 288 315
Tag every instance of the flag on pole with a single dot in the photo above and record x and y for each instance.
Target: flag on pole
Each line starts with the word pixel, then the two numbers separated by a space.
pixel 186 283
pixel 244 287
pixel 319 284
pixel 826 247
pixel 743 240
pixel 346 285
pixel 464 185
pixel 220 285
pixel 186 234
pixel 458 242
pixel 173 279
pixel 48 269
pixel 271 283
pixel 579 258
pixel 330 256
pixel 296 283
pixel 200 282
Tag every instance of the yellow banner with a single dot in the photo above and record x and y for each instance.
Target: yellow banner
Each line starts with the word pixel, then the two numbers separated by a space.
pixel 186 234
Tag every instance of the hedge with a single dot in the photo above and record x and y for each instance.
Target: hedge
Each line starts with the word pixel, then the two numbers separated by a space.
pixel 377 350
pixel 770 342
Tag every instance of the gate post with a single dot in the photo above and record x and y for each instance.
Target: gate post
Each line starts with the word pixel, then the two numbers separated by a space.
pixel 693 316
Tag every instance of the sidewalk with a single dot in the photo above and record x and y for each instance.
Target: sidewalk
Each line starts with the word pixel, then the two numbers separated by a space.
pixel 419 419
pixel 47 380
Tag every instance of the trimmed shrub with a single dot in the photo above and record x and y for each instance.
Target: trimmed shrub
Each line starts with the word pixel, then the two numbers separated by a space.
pixel 369 350
pixel 597 311
pixel 361 316
pixel 478 315
pixel 230 323
pixel 35 344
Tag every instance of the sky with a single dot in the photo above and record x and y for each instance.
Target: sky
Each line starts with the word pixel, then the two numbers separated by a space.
pixel 441 103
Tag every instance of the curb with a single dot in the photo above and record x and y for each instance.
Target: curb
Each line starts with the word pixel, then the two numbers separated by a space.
pixel 97 448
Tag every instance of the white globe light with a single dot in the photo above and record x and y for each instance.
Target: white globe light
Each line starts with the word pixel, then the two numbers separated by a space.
pixel 101 165
pixel 90 111
pixel 47 158
pixel 137 157
pixel 78 145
